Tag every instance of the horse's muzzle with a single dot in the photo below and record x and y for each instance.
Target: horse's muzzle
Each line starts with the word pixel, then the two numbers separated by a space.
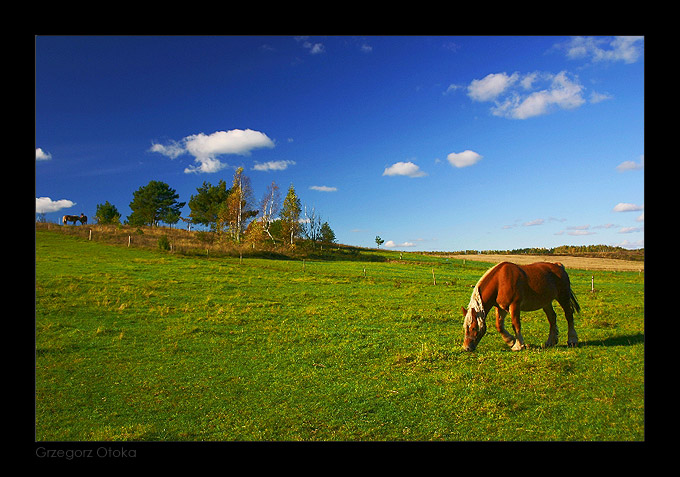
pixel 469 347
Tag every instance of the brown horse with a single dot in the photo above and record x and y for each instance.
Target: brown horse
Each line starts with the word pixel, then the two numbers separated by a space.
pixel 513 288
pixel 74 218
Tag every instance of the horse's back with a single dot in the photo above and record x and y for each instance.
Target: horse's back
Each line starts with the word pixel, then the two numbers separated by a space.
pixel 549 280
pixel 533 286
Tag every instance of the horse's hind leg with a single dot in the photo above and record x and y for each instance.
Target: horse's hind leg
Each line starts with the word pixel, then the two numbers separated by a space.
pixel 572 337
pixel 552 319
pixel 500 321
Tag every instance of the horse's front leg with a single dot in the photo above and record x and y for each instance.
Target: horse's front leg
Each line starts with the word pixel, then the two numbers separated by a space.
pixel 500 326
pixel 517 325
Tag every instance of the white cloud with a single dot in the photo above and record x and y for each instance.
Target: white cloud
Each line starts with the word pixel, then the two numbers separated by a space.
pixel 172 150
pixel 41 155
pixel 628 244
pixel 562 93
pixel 392 244
pixel 518 97
pixel 44 205
pixel 206 165
pixel 596 97
pixel 206 147
pixel 534 222
pixel 408 169
pixel 630 230
pixel 324 188
pixel 631 165
pixel 621 48
pixel 314 48
pixel 492 85
pixel 625 207
pixel 273 166
pixel 463 159
pixel 236 141
pixel 452 87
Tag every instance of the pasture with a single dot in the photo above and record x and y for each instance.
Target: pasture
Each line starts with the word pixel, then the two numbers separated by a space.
pixel 145 345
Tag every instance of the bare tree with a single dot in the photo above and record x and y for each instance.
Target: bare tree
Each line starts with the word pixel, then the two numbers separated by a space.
pixel 311 225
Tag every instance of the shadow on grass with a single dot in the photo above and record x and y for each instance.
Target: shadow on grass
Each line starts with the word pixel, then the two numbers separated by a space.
pixel 624 340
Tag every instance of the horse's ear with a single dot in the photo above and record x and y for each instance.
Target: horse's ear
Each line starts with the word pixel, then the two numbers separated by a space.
pixel 462 308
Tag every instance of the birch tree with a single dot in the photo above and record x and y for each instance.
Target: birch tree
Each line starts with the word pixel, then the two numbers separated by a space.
pixel 269 208
pixel 235 212
pixel 290 215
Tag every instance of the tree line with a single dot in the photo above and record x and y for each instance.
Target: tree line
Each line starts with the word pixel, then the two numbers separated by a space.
pixel 232 214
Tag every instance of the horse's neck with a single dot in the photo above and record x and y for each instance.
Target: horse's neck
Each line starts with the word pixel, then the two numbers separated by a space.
pixel 487 296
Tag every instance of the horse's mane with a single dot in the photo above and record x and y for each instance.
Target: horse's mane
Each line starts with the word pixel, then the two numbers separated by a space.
pixel 476 299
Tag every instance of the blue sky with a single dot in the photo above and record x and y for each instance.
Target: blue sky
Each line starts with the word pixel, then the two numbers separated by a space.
pixel 433 143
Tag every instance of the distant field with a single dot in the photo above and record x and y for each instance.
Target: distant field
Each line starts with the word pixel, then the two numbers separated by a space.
pixel 585 263
pixel 143 345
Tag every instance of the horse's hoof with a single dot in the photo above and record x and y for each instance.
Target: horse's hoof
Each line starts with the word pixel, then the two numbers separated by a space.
pixel 517 346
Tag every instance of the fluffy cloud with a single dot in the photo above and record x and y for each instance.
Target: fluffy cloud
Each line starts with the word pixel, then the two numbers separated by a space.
pixel 392 244
pixel 324 188
pixel 44 205
pixel 236 141
pixel 172 150
pixel 518 97
pixel 491 86
pixel 206 164
pixel 206 147
pixel 408 169
pixel 41 155
pixel 621 48
pixel 314 48
pixel 273 166
pixel 625 207
pixel 631 165
pixel 463 159
pixel 630 230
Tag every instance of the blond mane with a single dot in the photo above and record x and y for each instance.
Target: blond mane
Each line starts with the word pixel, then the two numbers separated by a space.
pixel 476 303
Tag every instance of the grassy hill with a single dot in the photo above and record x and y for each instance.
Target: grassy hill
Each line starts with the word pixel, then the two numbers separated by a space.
pixel 138 344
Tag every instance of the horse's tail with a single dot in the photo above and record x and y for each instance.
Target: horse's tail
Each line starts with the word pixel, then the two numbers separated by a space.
pixel 572 298
pixel 573 302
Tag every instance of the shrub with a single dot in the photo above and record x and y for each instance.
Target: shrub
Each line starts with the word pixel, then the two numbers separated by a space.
pixel 163 243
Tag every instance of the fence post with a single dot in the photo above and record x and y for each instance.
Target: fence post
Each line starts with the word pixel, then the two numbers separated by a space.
pixel 129 240
pixel 434 280
pixel 592 283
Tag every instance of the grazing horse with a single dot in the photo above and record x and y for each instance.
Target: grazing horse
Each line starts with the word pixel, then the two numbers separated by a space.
pixel 74 218
pixel 513 288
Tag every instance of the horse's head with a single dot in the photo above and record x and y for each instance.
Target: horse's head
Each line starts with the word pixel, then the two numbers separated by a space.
pixel 474 327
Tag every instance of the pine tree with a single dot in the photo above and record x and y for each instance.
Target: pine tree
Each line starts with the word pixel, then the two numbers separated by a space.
pixel 205 205
pixel 107 214
pixel 327 234
pixel 153 203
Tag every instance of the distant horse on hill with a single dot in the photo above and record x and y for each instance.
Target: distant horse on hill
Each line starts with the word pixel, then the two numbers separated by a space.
pixel 512 288
pixel 74 218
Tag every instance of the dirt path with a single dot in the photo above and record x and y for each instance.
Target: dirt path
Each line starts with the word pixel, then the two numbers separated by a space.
pixel 584 263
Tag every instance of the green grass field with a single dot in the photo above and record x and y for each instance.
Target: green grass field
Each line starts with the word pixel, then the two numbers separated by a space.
pixel 143 345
